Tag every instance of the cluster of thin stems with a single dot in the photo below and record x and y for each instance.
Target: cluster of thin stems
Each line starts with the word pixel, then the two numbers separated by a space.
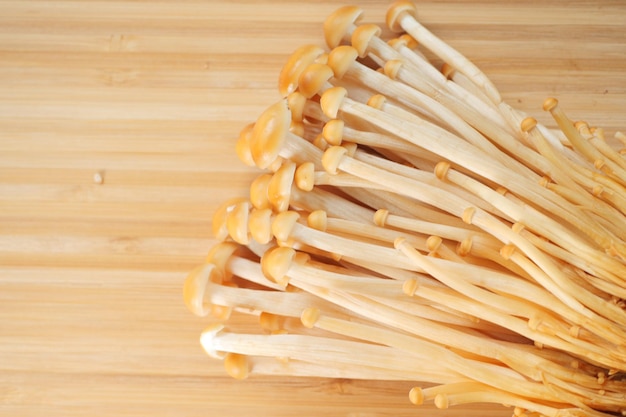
pixel 410 225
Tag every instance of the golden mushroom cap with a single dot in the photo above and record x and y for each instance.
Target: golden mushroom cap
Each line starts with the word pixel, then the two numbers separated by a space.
pixel 296 63
pixel 396 10
pixel 276 262
pixel 313 78
pixel 269 133
pixel 331 101
pixel 362 36
pixel 195 287
pixel 341 58
pixel 337 25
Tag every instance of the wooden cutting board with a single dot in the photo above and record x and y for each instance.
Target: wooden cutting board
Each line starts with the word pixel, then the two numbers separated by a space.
pixel 117 128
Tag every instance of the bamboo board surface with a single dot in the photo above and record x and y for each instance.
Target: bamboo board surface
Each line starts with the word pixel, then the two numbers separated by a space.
pixel 151 95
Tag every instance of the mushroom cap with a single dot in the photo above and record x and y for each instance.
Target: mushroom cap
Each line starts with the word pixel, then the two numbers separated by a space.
pixel 242 148
pixel 341 58
pixel 304 177
pixel 332 158
pixel 237 223
pixel 219 256
pixel 362 36
pixel 528 124
pixel 258 191
pixel 296 102
pixel 260 225
pixel 269 133
pixel 279 186
pixel 276 262
pixel 447 70
pixel 207 340
pixel 392 67
pixel 297 62
pixel 380 217
pixel 550 103
pixel 377 101
pixel 331 101
pixel 237 365
pixel 283 224
pixel 297 128
pixel 317 219
pixel 337 26
pixel 333 131
pixel 196 285
pixel 310 316
pixel 396 11
pixel 219 224
pixel 313 78
pixel 404 40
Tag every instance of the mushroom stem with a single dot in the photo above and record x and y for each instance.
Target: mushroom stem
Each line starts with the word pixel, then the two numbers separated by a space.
pixel 571 175
pixel 286 227
pixel 542 326
pixel 202 291
pixel 473 369
pixel 470 242
pixel 345 354
pixel 464 155
pixel 419 97
pixel 438 235
pixel 259 365
pixel 592 154
pixel 401 16
pixel 547 228
pixel 447 395
pixel 554 280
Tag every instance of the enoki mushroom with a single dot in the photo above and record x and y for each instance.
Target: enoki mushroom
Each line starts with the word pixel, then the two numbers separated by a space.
pixel 410 225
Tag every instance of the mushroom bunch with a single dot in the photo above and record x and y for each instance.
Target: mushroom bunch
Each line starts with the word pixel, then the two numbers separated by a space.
pixel 408 224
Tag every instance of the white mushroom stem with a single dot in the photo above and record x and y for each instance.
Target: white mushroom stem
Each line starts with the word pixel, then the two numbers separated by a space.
pixel 449 240
pixel 471 242
pixel 577 179
pixel 366 41
pixel 250 271
pixel 312 279
pixel 342 181
pixel 555 281
pixel 383 290
pixel 404 17
pixel 542 326
pixel 439 394
pixel 430 310
pixel 286 227
pixel 600 143
pixel 334 204
pixel 344 354
pixel 433 86
pixel 422 103
pixel 515 154
pixel 429 178
pixel 202 292
pixel 552 230
pixel 259 365
pixel 533 366
pixel 365 287
pixel 474 369
pixel 530 218
pixel 456 78
pixel 464 155
pixel 409 207
pixel 336 131
pixel 579 143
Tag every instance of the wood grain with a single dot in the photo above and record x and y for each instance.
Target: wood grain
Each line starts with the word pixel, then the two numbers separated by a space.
pixel 151 95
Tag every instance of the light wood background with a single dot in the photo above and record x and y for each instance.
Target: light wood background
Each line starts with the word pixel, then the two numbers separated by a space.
pixel 151 95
